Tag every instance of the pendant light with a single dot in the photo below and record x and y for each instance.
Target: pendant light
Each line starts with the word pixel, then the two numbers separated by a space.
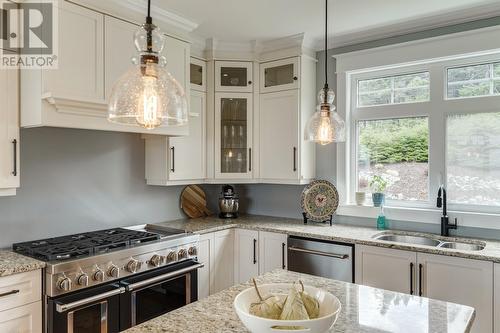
pixel 325 125
pixel 147 95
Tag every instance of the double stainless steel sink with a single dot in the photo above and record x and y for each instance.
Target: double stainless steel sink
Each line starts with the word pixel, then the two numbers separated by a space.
pixel 429 241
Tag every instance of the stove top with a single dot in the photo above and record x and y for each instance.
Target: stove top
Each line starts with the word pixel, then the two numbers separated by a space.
pixel 86 244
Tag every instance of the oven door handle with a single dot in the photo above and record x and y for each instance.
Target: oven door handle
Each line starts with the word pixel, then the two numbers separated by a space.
pixel 65 307
pixel 159 278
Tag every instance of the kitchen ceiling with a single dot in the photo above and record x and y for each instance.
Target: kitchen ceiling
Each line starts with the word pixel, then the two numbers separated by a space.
pixel 352 20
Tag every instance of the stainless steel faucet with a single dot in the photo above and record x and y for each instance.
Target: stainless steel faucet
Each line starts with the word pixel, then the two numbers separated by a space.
pixel 445 223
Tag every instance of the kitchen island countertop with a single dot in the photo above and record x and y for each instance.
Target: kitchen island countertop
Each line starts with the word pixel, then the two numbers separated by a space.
pixel 364 309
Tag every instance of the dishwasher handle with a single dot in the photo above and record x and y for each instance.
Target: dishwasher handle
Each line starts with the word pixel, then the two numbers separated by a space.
pixel 319 253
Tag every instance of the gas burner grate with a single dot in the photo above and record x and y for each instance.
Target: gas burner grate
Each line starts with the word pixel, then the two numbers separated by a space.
pixel 85 244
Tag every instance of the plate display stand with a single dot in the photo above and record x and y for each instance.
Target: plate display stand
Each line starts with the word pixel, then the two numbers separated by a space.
pixel 329 220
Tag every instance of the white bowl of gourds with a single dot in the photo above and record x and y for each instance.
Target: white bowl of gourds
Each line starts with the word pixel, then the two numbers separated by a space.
pixel 287 307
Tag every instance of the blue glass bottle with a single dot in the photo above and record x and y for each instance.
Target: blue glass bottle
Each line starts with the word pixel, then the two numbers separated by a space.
pixel 381 221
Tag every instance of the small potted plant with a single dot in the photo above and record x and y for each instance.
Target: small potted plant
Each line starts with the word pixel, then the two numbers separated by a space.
pixel 378 185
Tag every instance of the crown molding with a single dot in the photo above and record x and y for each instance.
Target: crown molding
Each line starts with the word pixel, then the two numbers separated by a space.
pixel 419 24
pixel 135 12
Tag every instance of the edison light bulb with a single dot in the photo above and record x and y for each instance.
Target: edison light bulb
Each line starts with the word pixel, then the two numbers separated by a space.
pixel 325 130
pixel 147 114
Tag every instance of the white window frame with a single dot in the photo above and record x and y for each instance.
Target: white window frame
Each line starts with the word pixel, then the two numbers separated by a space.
pixel 433 56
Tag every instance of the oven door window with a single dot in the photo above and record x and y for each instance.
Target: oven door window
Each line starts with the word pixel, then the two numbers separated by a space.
pixel 155 300
pixel 92 318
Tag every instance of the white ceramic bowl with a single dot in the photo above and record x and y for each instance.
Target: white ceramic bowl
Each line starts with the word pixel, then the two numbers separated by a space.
pixel 329 307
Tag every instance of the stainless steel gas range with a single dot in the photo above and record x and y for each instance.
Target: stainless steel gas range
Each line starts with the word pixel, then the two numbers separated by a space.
pixel 110 280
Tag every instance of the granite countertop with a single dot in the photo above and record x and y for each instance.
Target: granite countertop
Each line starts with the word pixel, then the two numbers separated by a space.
pixel 364 309
pixel 13 263
pixel 338 232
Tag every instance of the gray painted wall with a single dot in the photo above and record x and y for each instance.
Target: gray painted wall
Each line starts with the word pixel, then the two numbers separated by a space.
pixel 78 180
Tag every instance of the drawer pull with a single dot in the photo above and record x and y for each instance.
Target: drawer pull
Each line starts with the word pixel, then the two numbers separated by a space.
pixel 12 292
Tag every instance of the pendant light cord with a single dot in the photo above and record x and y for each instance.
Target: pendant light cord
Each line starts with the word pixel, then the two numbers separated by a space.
pixel 149 10
pixel 326 45
pixel 149 22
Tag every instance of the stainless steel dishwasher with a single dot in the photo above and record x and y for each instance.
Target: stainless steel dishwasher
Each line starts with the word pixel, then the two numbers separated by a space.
pixel 321 258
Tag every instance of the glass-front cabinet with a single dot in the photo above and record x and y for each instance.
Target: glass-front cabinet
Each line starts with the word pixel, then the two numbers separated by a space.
pixel 279 75
pixel 198 74
pixel 233 135
pixel 233 76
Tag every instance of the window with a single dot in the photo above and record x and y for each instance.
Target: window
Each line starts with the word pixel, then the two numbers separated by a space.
pixel 399 89
pixel 398 151
pixel 474 81
pixel 473 159
pixel 416 147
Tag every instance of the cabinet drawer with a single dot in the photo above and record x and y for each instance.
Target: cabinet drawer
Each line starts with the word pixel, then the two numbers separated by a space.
pixel 23 319
pixel 20 289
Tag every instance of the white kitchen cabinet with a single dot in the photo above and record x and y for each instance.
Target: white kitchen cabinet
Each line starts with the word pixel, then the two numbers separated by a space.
pixel 462 281
pixel 80 73
pixel 9 131
pixel 179 160
pixel 246 265
pixel 118 50
pixel 207 257
pixel 198 74
pixel 272 251
pixel 233 136
pixel 23 319
pixel 233 76
pixel 386 268
pixel 223 268
pixel 280 75
pixel 450 279
pixel 94 50
pixel 496 305
pixel 285 157
pixel 20 303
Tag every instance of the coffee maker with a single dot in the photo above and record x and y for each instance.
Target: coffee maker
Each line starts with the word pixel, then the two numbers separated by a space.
pixel 228 203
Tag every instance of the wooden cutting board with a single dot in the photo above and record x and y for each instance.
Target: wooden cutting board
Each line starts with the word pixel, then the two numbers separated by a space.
pixel 194 202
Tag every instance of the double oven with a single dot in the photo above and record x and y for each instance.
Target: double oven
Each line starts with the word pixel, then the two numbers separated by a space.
pixel 121 304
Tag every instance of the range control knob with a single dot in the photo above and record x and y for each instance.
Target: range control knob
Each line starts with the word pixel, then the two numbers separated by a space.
pixel 171 256
pixel 113 271
pixel 133 266
pixel 98 275
pixel 182 254
pixel 82 280
pixel 156 260
pixel 193 251
pixel 64 284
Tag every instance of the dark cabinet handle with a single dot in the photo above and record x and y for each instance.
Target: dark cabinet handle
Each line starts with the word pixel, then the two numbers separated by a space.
pixel 12 292
pixel 172 168
pixel 249 159
pixel 411 278
pixel 283 245
pixel 254 251
pixel 295 78
pixel 249 82
pixel 420 273
pixel 14 144
pixel 294 159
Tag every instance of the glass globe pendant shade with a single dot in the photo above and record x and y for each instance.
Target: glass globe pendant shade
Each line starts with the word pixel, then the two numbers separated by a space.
pixel 147 95
pixel 325 126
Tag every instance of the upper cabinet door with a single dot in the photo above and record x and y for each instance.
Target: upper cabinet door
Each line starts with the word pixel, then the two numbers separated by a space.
pixel 9 131
pixel 233 135
pixel 198 75
pixel 80 75
pixel 177 53
pixel 233 76
pixel 279 135
pixel 118 50
pixel 279 75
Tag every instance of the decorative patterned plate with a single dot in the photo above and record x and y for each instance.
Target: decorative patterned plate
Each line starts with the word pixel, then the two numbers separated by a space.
pixel 319 200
